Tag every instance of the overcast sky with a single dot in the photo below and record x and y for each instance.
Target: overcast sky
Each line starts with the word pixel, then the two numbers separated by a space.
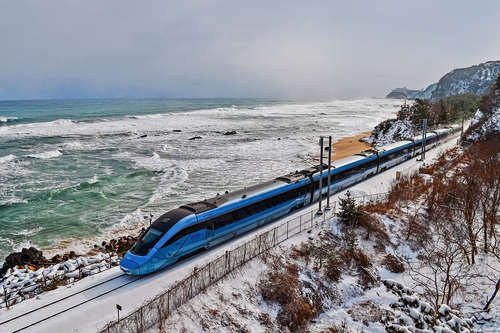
pixel 310 49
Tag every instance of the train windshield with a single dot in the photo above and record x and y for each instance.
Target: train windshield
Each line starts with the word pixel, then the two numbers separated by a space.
pixel 146 242
pixel 151 235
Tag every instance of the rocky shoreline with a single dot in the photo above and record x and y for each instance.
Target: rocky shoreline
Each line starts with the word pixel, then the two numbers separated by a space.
pixel 28 273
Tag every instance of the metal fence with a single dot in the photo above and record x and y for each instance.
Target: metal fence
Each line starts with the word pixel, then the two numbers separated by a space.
pixel 151 315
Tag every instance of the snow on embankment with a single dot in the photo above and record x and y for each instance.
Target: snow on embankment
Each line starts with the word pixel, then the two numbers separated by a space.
pixel 20 283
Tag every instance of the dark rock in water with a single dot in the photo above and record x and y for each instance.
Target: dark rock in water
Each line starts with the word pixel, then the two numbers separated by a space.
pixel 144 136
pixel 195 137
pixel 177 131
pixel 30 256
pixel 56 259
pixel 230 133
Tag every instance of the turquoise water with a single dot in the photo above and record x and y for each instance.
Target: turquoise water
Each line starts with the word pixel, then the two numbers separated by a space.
pixel 74 172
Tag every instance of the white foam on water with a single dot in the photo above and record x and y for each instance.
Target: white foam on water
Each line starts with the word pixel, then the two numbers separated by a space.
pixel 8 158
pixel 46 155
pixel 28 232
pixel 7 119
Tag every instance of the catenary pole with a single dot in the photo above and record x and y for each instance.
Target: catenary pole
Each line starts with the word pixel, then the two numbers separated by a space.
pixel 329 172
pixel 320 174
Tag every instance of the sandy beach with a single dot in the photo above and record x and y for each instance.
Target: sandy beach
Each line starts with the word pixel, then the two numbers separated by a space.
pixel 349 146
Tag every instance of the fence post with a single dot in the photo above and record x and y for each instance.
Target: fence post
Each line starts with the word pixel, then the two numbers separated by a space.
pixel 191 287
pixel 245 253
pixel 168 302
pixel 300 223
pixel 259 244
pixel 286 229
pixel 142 320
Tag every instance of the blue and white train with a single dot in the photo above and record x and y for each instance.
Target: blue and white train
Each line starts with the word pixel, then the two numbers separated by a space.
pixel 198 226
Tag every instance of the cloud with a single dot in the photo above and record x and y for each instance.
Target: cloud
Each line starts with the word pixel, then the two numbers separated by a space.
pixel 284 49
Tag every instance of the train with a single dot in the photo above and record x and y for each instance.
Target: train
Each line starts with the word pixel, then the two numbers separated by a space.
pixel 198 226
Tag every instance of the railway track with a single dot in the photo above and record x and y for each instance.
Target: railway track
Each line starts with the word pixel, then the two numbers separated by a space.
pixel 64 304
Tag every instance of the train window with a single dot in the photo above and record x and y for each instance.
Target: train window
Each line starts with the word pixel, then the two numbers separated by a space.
pixel 184 232
pixel 146 242
pixel 175 238
pixel 151 235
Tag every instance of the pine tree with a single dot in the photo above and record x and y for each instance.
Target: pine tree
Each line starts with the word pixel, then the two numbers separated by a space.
pixel 443 114
pixel 421 110
pixel 350 214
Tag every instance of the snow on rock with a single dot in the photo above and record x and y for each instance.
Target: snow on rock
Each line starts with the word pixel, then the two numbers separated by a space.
pixel 412 315
pixel 20 283
pixel 490 125
pixel 391 131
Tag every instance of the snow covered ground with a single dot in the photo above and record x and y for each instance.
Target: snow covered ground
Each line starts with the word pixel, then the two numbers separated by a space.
pixel 87 305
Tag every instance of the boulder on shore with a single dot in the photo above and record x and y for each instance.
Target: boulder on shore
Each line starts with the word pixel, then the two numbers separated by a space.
pixel 31 256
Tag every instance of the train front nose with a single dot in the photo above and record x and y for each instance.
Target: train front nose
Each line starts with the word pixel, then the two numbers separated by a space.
pixel 129 266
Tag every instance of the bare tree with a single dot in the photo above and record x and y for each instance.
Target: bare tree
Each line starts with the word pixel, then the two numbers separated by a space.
pixel 496 253
pixel 439 272
pixel 485 165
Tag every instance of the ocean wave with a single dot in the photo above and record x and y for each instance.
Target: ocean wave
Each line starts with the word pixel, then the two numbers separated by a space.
pixel 147 116
pixel 46 155
pixel 28 232
pixel 8 158
pixel 63 192
pixel 147 173
pixel 12 202
pixel 226 109
pixel 62 121
pixel 6 120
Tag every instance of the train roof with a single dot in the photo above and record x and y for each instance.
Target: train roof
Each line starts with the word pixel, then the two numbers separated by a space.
pixel 348 160
pixel 395 145
pixel 293 177
pixel 417 138
pixel 221 199
pixel 440 131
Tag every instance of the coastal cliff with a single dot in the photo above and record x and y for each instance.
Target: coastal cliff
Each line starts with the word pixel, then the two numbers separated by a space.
pixel 475 79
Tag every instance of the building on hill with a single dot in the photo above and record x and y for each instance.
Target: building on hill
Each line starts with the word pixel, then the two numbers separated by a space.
pixel 405 111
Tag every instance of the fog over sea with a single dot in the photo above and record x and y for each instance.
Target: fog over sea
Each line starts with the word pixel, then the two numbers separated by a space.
pixel 76 172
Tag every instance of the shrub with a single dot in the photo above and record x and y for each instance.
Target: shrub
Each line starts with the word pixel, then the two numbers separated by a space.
pixel 282 286
pixel 393 263
pixel 295 314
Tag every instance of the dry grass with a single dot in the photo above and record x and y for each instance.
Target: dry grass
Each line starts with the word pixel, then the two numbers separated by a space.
pixel 393 264
pixel 282 286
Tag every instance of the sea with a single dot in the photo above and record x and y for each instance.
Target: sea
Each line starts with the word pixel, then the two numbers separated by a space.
pixel 74 173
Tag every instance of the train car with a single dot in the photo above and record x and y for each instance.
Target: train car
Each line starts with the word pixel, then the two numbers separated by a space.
pixel 197 226
pixel 394 153
pixel 349 170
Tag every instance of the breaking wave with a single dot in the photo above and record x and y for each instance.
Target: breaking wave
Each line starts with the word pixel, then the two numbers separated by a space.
pixel 7 120
pixel 46 155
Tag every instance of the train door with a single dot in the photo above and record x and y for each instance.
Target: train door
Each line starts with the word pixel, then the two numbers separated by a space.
pixel 209 232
